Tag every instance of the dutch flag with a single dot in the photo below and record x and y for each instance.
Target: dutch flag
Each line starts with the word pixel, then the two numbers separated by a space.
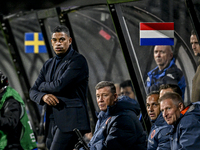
pixel 156 33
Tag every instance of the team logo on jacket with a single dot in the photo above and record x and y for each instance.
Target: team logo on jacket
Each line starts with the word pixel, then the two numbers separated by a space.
pixel 170 75
pixel 153 133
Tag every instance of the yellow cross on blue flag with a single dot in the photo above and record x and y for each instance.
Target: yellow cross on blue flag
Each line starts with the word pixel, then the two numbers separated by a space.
pixel 34 43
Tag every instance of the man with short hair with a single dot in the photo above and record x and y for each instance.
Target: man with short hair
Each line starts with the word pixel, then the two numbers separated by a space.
pixel 196 79
pixel 118 127
pixel 118 90
pixel 166 72
pixel 185 121
pixel 157 137
pixel 169 88
pixel 126 88
pixel 62 86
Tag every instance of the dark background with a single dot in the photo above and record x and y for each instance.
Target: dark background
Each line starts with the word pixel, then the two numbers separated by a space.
pixel 15 6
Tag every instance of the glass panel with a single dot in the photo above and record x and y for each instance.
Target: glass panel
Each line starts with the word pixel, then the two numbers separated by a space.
pixel 136 12
pixel 97 41
pixel 7 67
pixel 32 62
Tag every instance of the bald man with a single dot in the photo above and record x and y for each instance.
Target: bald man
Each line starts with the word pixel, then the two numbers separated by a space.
pixel 166 71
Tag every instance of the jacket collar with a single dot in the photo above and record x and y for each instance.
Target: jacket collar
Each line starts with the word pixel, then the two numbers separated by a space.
pixel 65 59
pixel 156 69
pixel 189 108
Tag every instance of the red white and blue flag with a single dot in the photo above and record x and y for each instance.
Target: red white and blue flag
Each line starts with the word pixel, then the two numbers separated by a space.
pixel 156 33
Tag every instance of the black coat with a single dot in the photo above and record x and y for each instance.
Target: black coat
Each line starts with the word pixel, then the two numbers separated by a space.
pixel 69 85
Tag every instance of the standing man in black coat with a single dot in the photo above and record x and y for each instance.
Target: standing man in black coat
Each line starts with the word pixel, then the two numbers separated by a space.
pixel 62 85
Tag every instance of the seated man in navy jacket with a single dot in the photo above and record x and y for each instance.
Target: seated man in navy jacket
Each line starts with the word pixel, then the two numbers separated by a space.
pixel 118 127
pixel 157 138
pixel 185 121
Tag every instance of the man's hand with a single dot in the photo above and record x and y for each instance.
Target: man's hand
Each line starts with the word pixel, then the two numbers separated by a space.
pixel 50 99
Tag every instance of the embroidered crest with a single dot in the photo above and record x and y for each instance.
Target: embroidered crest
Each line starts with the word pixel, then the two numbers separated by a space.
pixel 170 75
pixel 153 133
pixel 191 108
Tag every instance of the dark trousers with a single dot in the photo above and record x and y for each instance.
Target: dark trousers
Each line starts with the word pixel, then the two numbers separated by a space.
pixel 57 140
pixel 13 147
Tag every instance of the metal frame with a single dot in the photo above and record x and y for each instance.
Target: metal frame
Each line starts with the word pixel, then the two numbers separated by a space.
pixel 42 15
pixel 131 59
pixel 64 19
pixel 193 16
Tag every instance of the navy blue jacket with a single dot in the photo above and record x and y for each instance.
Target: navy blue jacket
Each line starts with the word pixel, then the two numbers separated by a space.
pixel 158 138
pixel 169 75
pixel 69 85
pixel 185 134
pixel 119 128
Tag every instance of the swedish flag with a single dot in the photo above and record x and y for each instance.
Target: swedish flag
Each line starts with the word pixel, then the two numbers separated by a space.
pixel 34 43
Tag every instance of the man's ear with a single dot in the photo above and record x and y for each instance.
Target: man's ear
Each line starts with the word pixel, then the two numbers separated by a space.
pixel 51 42
pixel 180 106
pixel 70 40
pixel 115 97
pixel 171 55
